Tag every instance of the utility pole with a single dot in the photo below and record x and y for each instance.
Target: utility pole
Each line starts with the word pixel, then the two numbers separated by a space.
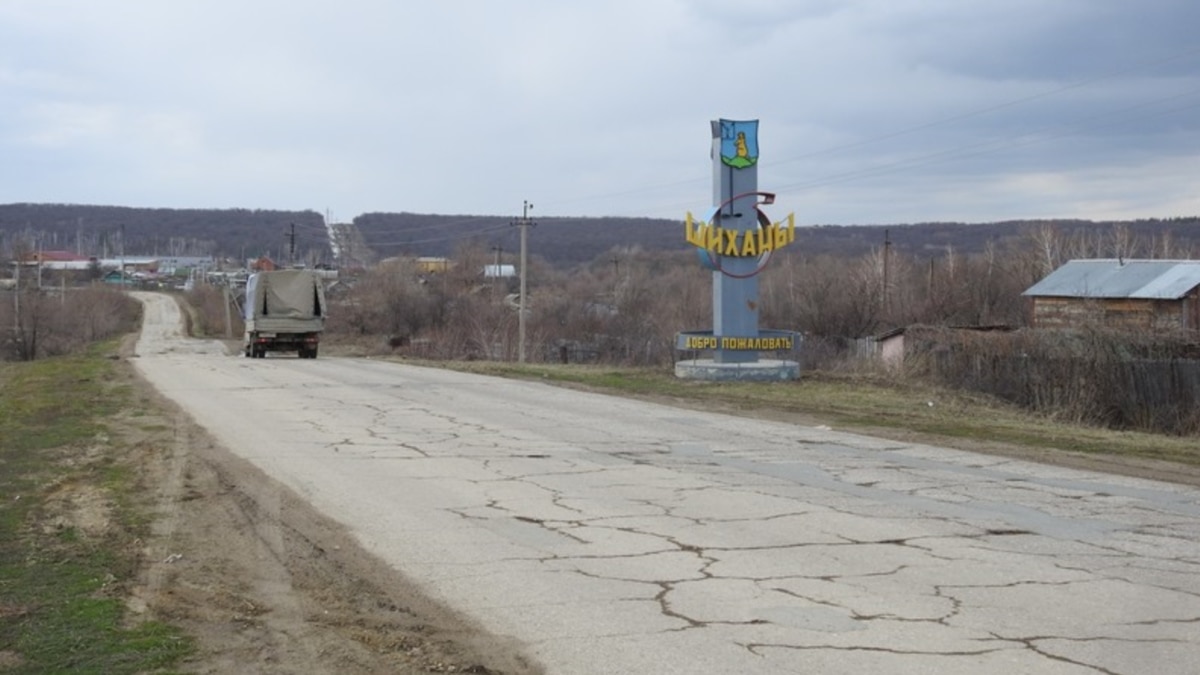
pixel 228 311
pixel 887 250
pixel 496 276
pixel 17 334
pixel 292 247
pixel 524 224
pixel 123 257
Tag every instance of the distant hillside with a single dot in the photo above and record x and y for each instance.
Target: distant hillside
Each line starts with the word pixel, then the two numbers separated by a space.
pixel 98 230
pixel 243 233
pixel 566 241
pixel 561 241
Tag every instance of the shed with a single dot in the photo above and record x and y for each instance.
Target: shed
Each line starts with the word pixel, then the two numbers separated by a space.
pixel 499 271
pixel 1157 295
pixel 431 265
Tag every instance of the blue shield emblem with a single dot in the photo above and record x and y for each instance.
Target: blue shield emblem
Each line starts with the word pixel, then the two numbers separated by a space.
pixel 739 143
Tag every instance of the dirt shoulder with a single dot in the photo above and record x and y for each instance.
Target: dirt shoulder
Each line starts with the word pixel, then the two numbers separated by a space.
pixel 263 582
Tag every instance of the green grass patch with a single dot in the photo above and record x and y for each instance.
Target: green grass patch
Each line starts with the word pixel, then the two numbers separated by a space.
pixel 61 605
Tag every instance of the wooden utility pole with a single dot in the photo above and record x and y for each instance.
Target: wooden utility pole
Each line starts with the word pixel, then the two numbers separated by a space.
pixel 887 250
pixel 496 269
pixel 228 311
pixel 524 224
pixel 39 263
pixel 17 295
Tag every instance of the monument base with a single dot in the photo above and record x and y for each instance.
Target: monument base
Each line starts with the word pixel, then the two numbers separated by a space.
pixel 755 371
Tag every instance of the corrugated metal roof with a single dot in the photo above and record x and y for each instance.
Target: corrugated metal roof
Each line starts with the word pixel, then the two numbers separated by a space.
pixel 1140 279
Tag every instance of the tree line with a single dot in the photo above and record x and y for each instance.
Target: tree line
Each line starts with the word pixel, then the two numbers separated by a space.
pixel 109 231
pixel 625 305
pixel 301 236
pixel 630 301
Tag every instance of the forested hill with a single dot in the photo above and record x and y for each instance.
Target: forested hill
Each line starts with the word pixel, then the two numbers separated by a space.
pixel 242 233
pixel 99 231
pixel 566 241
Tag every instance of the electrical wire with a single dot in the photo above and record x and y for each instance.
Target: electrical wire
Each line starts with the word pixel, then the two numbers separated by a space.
pixel 921 161
pixel 944 155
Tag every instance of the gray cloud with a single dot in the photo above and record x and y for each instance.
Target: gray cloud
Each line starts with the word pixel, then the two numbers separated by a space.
pixel 872 110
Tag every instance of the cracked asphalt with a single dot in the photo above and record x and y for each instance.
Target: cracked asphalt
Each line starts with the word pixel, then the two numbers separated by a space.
pixel 615 536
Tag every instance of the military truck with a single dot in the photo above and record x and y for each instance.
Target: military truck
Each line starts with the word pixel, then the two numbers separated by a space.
pixel 284 312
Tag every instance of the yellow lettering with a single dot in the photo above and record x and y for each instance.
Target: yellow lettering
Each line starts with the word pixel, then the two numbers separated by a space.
pixel 748 247
pixel 694 230
pixel 766 242
pixel 730 242
pixel 712 238
pixel 782 236
pixel 722 241
pixel 700 342
pixel 758 344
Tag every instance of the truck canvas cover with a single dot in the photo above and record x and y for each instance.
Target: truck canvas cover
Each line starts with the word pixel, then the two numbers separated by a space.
pixel 285 301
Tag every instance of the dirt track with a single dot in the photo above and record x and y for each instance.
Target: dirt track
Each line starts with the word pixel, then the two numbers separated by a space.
pixel 265 584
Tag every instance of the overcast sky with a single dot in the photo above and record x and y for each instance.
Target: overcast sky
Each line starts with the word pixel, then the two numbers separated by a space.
pixel 871 111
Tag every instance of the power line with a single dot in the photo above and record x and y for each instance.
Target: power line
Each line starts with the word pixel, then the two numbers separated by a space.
pixel 451 237
pixel 433 226
pixel 951 154
pixel 991 108
pixel 874 140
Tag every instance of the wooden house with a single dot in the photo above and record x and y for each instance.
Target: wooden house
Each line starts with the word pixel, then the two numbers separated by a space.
pixel 1153 295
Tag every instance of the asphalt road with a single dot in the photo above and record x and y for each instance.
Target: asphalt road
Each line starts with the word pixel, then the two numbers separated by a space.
pixel 614 536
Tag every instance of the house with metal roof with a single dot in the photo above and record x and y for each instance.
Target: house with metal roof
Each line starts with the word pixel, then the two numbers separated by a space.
pixel 1158 295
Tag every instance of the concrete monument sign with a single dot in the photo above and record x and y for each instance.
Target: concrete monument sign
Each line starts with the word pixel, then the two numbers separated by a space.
pixel 735 240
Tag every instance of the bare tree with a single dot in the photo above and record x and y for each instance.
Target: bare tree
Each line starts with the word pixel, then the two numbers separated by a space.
pixel 1122 242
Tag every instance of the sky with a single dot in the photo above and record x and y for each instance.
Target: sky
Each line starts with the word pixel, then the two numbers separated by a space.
pixel 870 111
